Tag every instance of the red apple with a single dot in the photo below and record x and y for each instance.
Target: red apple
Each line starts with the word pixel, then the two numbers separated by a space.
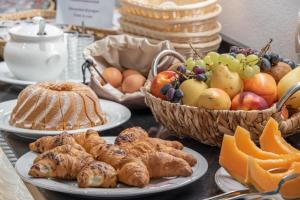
pixel 160 80
pixel 248 101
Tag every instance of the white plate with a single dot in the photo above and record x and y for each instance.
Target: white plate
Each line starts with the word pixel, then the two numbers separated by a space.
pixel 227 184
pixel 7 77
pixel 156 185
pixel 116 115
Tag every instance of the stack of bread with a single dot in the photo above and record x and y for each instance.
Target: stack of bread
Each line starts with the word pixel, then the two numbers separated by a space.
pixel 179 21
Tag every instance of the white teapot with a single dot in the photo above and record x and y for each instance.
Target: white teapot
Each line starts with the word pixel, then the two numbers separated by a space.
pixel 36 51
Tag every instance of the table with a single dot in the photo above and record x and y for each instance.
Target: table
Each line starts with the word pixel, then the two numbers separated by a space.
pixel 202 188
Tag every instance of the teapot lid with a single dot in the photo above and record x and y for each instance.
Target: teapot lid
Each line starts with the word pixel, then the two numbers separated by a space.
pixel 38 30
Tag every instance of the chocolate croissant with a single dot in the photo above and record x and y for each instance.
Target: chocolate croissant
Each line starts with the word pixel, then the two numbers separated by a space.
pixel 66 149
pixel 137 135
pixel 49 142
pixel 97 174
pixel 57 165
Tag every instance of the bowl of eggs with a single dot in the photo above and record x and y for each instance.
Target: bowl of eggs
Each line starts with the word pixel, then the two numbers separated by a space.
pixel 119 73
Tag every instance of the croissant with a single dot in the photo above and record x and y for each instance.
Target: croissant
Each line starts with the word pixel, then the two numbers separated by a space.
pixel 66 149
pixel 97 174
pixel 131 171
pixel 49 142
pixel 159 164
pixel 136 134
pixel 57 165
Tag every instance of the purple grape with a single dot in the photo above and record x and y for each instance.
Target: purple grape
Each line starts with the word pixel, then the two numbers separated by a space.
pixel 267 56
pixel 292 64
pixel 181 79
pixel 165 89
pixel 274 58
pixel 234 49
pixel 170 94
pixel 201 77
pixel 198 70
pixel 181 69
pixel 265 64
pixel 178 93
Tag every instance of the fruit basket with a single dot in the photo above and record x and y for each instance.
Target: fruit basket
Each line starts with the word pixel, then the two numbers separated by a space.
pixel 165 10
pixel 209 126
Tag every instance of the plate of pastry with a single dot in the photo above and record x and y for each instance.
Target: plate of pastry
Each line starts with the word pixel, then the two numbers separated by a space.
pixel 48 108
pixel 131 164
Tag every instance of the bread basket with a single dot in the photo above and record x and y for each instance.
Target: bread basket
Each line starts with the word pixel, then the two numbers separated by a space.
pixel 191 25
pixel 209 126
pixel 177 37
pixel 159 9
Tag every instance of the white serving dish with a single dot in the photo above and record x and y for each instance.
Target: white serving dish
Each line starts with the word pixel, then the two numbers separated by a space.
pixel 122 191
pixel 108 107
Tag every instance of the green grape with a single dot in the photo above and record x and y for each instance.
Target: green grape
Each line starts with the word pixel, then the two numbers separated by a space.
pixel 225 58
pixel 214 57
pixel 256 69
pixel 249 71
pixel 200 63
pixel 208 60
pixel 190 64
pixel 252 59
pixel 240 57
pixel 234 65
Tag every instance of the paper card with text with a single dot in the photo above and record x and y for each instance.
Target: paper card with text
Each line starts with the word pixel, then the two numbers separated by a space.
pixel 94 13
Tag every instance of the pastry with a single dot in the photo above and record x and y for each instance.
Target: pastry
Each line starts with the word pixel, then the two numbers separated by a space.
pixel 57 106
pixel 57 165
pixel 131 171
pixel 66 149
pixel 136 141
pixel 97 174
pixel 49 142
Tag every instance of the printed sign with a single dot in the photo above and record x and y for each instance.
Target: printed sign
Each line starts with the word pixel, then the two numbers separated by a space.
pixel 93 13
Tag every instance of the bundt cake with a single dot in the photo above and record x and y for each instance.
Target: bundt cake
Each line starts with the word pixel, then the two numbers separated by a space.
pixel 57 106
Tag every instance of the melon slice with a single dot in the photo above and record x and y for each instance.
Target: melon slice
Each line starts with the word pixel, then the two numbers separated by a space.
pixel 236 162
pixel 265 181
pixel 246 145
pixel 272 141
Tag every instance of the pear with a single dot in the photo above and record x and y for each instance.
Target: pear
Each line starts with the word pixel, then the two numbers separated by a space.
pixel 226 80
pixel 192 89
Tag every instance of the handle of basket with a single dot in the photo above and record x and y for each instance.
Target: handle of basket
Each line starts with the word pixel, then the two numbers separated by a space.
pixel 163 54
pixel 287 95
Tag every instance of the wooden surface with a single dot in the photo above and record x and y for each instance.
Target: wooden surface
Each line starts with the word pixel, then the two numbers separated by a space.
pixel 11 186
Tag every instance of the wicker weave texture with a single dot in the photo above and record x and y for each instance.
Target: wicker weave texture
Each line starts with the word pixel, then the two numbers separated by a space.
pixel 209 126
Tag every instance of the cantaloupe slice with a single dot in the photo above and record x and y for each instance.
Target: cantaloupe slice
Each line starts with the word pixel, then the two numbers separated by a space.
pixel 264 181
pixel 272 141
pixel 246 145
pixel 236 162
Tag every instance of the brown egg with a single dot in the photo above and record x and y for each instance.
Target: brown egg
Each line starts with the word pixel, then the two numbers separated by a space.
pixel 113 76
pixel 129 72
pixel 133 83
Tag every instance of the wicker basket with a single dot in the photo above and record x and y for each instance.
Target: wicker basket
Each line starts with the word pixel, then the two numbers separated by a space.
pixel 202 48
pixel 156 9
pixel 209 126
pixel 177 37
pixel 190 25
